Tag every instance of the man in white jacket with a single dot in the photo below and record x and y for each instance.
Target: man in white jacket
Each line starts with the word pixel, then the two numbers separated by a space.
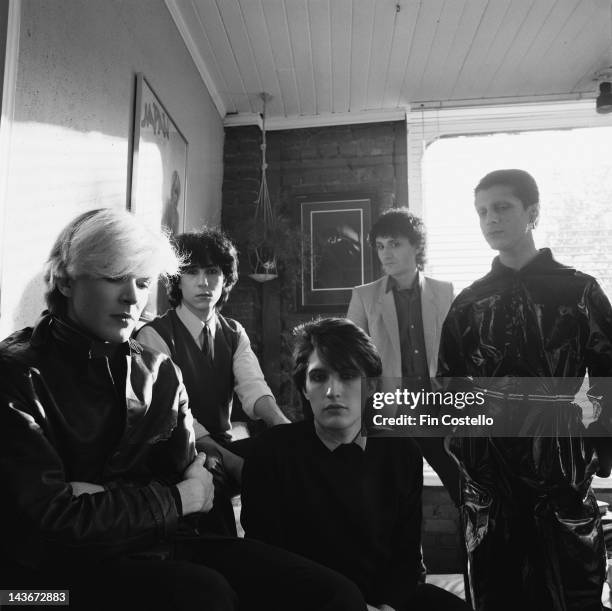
pixel 403 313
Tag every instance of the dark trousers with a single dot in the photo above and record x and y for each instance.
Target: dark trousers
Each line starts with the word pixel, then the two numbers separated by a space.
pixel 204 574
pixel 435 454
pixel 431 598
pixel 221 520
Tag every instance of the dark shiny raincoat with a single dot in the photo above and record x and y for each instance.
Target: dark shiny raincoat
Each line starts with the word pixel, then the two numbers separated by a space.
pixel 531 522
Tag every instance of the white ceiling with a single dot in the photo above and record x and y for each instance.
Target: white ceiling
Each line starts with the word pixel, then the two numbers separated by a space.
pixel 333 61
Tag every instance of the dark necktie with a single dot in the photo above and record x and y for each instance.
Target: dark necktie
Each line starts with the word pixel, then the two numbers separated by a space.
pixel 207 342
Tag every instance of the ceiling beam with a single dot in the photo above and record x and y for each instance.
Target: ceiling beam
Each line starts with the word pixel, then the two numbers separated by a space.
pixel 323 120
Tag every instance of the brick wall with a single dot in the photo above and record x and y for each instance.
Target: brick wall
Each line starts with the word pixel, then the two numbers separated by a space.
pixel 440 533
pixel 368 158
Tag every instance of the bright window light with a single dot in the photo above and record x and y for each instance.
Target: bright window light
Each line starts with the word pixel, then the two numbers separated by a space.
pixel 574 173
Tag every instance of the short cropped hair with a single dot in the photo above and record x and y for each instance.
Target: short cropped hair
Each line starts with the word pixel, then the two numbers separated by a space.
pixel 401 222
pixel 342 345
pixel 205 248
pixel 522 183
pixel 106 243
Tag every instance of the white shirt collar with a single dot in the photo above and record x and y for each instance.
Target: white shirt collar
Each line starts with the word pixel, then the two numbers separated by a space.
pixel 359 440
pixel 194 324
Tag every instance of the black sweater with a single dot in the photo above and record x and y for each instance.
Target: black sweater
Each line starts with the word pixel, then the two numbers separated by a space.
pixel 355 511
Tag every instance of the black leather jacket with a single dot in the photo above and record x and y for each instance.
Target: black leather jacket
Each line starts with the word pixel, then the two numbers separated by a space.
pixel 528 498
pixel 547 322
pixel 72 409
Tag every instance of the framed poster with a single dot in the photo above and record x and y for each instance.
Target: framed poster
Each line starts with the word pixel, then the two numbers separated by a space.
pixel 157 174
pixel 335 256
pixel 158 163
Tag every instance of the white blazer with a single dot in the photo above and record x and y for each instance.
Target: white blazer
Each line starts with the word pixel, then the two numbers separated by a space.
pixel 373 309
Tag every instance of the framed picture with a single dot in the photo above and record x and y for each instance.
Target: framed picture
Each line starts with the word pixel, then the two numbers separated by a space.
pixel 157 174
pixel 335 257
pixel 158 162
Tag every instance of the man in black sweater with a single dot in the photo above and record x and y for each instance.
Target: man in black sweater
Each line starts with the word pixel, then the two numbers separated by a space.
pixel 320 489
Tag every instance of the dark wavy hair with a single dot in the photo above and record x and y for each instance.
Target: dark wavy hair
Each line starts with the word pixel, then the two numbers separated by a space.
pixel 401 222
pixel 205 248
pixel 522 183
pixel 342 345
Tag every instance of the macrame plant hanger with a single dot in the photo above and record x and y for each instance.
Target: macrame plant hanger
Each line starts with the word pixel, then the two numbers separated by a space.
pixel 263 256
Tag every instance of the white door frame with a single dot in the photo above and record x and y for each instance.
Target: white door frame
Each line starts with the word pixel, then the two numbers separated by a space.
pixel 8 112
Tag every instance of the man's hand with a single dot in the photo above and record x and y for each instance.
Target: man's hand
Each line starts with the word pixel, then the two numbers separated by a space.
pixel 382 607
pixel 266 408
pixel 197 489
pixel 225 466
pixel 79 488
pixel 234 464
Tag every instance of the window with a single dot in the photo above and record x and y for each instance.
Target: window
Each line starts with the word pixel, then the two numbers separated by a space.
pixel 565 145
pixel 573 169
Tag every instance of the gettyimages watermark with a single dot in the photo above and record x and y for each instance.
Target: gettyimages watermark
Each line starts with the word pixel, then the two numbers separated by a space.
pixel 486 407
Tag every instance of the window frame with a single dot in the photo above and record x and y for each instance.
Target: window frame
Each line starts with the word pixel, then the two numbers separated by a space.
pixel 425 125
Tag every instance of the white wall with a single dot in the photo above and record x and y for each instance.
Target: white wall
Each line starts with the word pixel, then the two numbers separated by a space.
pixel 70 136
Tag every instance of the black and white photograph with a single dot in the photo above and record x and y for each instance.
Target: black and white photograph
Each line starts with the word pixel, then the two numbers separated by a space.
pixel 336 256
pixel 305 305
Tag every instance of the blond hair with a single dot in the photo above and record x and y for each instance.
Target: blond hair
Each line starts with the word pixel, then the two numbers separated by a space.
pixel 107 243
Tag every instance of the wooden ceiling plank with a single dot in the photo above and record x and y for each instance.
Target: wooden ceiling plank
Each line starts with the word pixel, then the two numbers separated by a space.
pixel 385 17
pixel 212 25
pixel 529 71
pixel 320 38
pixel 424 35
pixel 513 22
pixel 278 33
pixel 435 78
pixel 403 36
pixel 233 19
pixel 507 78
pixel 341 19
pixel 299 34
pixel 339 56
pixel 361 47
pixel 589 38
pixel 469 80
pixel 583 37
pixel 257 31
pixel 468 26
pixel 584 15
pixel 588 83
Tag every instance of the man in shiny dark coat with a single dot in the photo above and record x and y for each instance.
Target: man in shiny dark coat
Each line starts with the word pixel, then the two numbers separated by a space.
pixel 102 491
pixel 533 327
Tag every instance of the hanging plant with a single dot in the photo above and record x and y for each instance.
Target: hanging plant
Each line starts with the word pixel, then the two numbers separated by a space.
pixel 270 252
pixel 262 245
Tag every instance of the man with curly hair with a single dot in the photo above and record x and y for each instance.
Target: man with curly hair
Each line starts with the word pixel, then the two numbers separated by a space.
pixel 213 352
pixel 403 313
